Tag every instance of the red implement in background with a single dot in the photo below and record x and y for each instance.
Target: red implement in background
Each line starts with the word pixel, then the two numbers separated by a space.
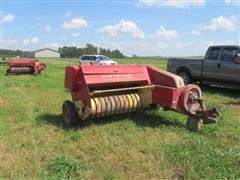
pixel 99 91
pixel 25 65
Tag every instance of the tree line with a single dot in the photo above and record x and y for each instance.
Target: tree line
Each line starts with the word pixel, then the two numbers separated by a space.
pixel 73 52
pixel 68 52
pixel 11 53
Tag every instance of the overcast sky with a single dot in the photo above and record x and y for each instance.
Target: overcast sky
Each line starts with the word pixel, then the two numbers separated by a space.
pixel 141 27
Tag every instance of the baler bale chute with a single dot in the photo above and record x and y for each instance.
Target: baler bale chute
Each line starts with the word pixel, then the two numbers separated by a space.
pixel 25 65
pixel 99 91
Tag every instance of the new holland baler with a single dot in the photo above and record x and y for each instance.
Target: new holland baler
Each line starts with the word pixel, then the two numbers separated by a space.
pixel 99 91
pixel 25 65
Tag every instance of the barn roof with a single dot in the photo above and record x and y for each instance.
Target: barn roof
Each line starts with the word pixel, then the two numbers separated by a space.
pixel 45 49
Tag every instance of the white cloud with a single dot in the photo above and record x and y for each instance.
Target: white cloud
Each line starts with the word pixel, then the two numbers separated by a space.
pixel 138 47
pixel 171 3
pixel 75 23
pixel 54 45
pixel 64 38
pixel 7 18
pixel 8 41
pixel 25 42
pixel 75 34
pixel 34 40
pixel 196 33
pixel 73 44
pixel 232 2
pixel 163 33
pixel 221 23
pixel 48 28
pixel 154 47
pixel 123 27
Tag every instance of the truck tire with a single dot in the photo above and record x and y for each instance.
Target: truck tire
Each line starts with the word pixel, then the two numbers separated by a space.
pixel 69 113
pixel 185 76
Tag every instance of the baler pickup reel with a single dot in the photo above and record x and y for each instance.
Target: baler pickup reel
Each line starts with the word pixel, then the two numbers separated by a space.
pixel 99 91
pixel 25 65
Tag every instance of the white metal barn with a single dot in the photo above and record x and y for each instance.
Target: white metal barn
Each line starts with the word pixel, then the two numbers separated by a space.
pixel 47 52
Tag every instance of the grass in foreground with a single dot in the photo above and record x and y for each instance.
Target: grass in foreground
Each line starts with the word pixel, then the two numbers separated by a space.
pixel 143 145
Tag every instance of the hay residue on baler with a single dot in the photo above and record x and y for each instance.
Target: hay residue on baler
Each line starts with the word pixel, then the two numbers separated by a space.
pixel 99 91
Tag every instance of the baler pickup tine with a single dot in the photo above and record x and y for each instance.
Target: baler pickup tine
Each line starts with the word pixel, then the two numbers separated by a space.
pixel 208 115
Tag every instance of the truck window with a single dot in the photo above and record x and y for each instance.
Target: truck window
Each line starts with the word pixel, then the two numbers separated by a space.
pixel 229 53
pixel 213 55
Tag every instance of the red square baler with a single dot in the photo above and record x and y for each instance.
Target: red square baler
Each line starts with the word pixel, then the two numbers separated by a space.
pixel 25 65
pixel 99 91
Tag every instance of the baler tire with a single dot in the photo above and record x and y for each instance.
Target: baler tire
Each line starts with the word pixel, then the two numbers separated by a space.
pixel 70 115
pixel 193 124
pixel 184 98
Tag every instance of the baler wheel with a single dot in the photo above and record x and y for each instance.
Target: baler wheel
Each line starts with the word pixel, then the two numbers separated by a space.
pixel 193 124
pixel 70 116
pixel 190 98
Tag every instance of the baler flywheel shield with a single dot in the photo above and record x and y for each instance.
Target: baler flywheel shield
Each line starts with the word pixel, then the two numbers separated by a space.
pixel 190 98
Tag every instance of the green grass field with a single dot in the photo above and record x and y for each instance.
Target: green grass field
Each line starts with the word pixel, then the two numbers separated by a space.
pixel 146 145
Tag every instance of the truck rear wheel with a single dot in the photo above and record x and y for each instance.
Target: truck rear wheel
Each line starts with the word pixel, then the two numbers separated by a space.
pixel 185 76
pixel 70 116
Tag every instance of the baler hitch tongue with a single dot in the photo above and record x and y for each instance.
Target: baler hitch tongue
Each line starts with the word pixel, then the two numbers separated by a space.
pixel 208 115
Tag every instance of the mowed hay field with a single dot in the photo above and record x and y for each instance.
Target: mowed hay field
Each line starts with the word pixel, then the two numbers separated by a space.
pixel 143 145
